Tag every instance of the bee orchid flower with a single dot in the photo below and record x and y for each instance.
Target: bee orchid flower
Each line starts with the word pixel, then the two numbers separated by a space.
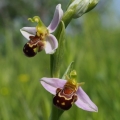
pixel 40 37
pixel 67 92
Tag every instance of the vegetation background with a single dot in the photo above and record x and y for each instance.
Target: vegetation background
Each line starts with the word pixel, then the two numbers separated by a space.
pixel 92 41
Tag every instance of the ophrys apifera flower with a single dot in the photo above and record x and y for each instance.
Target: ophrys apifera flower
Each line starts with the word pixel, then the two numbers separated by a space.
pixel 40 37
pixel 67 92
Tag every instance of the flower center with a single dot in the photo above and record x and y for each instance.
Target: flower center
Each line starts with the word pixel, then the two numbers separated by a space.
pixel 42 32
pixel 41 29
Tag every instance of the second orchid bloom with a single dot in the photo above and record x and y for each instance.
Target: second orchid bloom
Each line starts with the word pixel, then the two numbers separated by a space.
pixel 40 37
pixel 68 92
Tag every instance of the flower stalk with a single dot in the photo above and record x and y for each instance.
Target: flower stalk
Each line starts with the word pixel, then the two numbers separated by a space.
pixel 55 113
pixel 56 59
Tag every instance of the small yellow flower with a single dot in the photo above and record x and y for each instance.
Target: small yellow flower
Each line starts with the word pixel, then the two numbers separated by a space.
pixel 4 91
pixel 23 78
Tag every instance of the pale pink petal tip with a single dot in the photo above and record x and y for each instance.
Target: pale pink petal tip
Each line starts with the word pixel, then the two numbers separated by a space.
pixel 84 102
pixel 56 18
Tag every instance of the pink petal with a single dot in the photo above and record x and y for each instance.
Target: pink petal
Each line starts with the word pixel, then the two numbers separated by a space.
pixel 56 19
pixel 51 84
pixel 84 101
pixel 51 44
pixel 28 31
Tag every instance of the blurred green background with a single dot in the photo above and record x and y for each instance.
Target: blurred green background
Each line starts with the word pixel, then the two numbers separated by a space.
pixel 92 41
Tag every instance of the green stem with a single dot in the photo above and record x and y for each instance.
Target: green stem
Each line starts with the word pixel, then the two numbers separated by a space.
pixel 56 113
pixel 67 17
pixel 56 59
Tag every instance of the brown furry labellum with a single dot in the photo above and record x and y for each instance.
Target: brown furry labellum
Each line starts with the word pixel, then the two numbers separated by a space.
pixel 65 97
pixel 33 46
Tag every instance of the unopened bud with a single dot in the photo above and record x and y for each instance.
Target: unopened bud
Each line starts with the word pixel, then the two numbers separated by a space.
pixel 82 6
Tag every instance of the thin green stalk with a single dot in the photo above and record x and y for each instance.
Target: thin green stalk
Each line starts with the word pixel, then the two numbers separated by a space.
pixel 67 17
pixel 56 113
pixel 56 59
